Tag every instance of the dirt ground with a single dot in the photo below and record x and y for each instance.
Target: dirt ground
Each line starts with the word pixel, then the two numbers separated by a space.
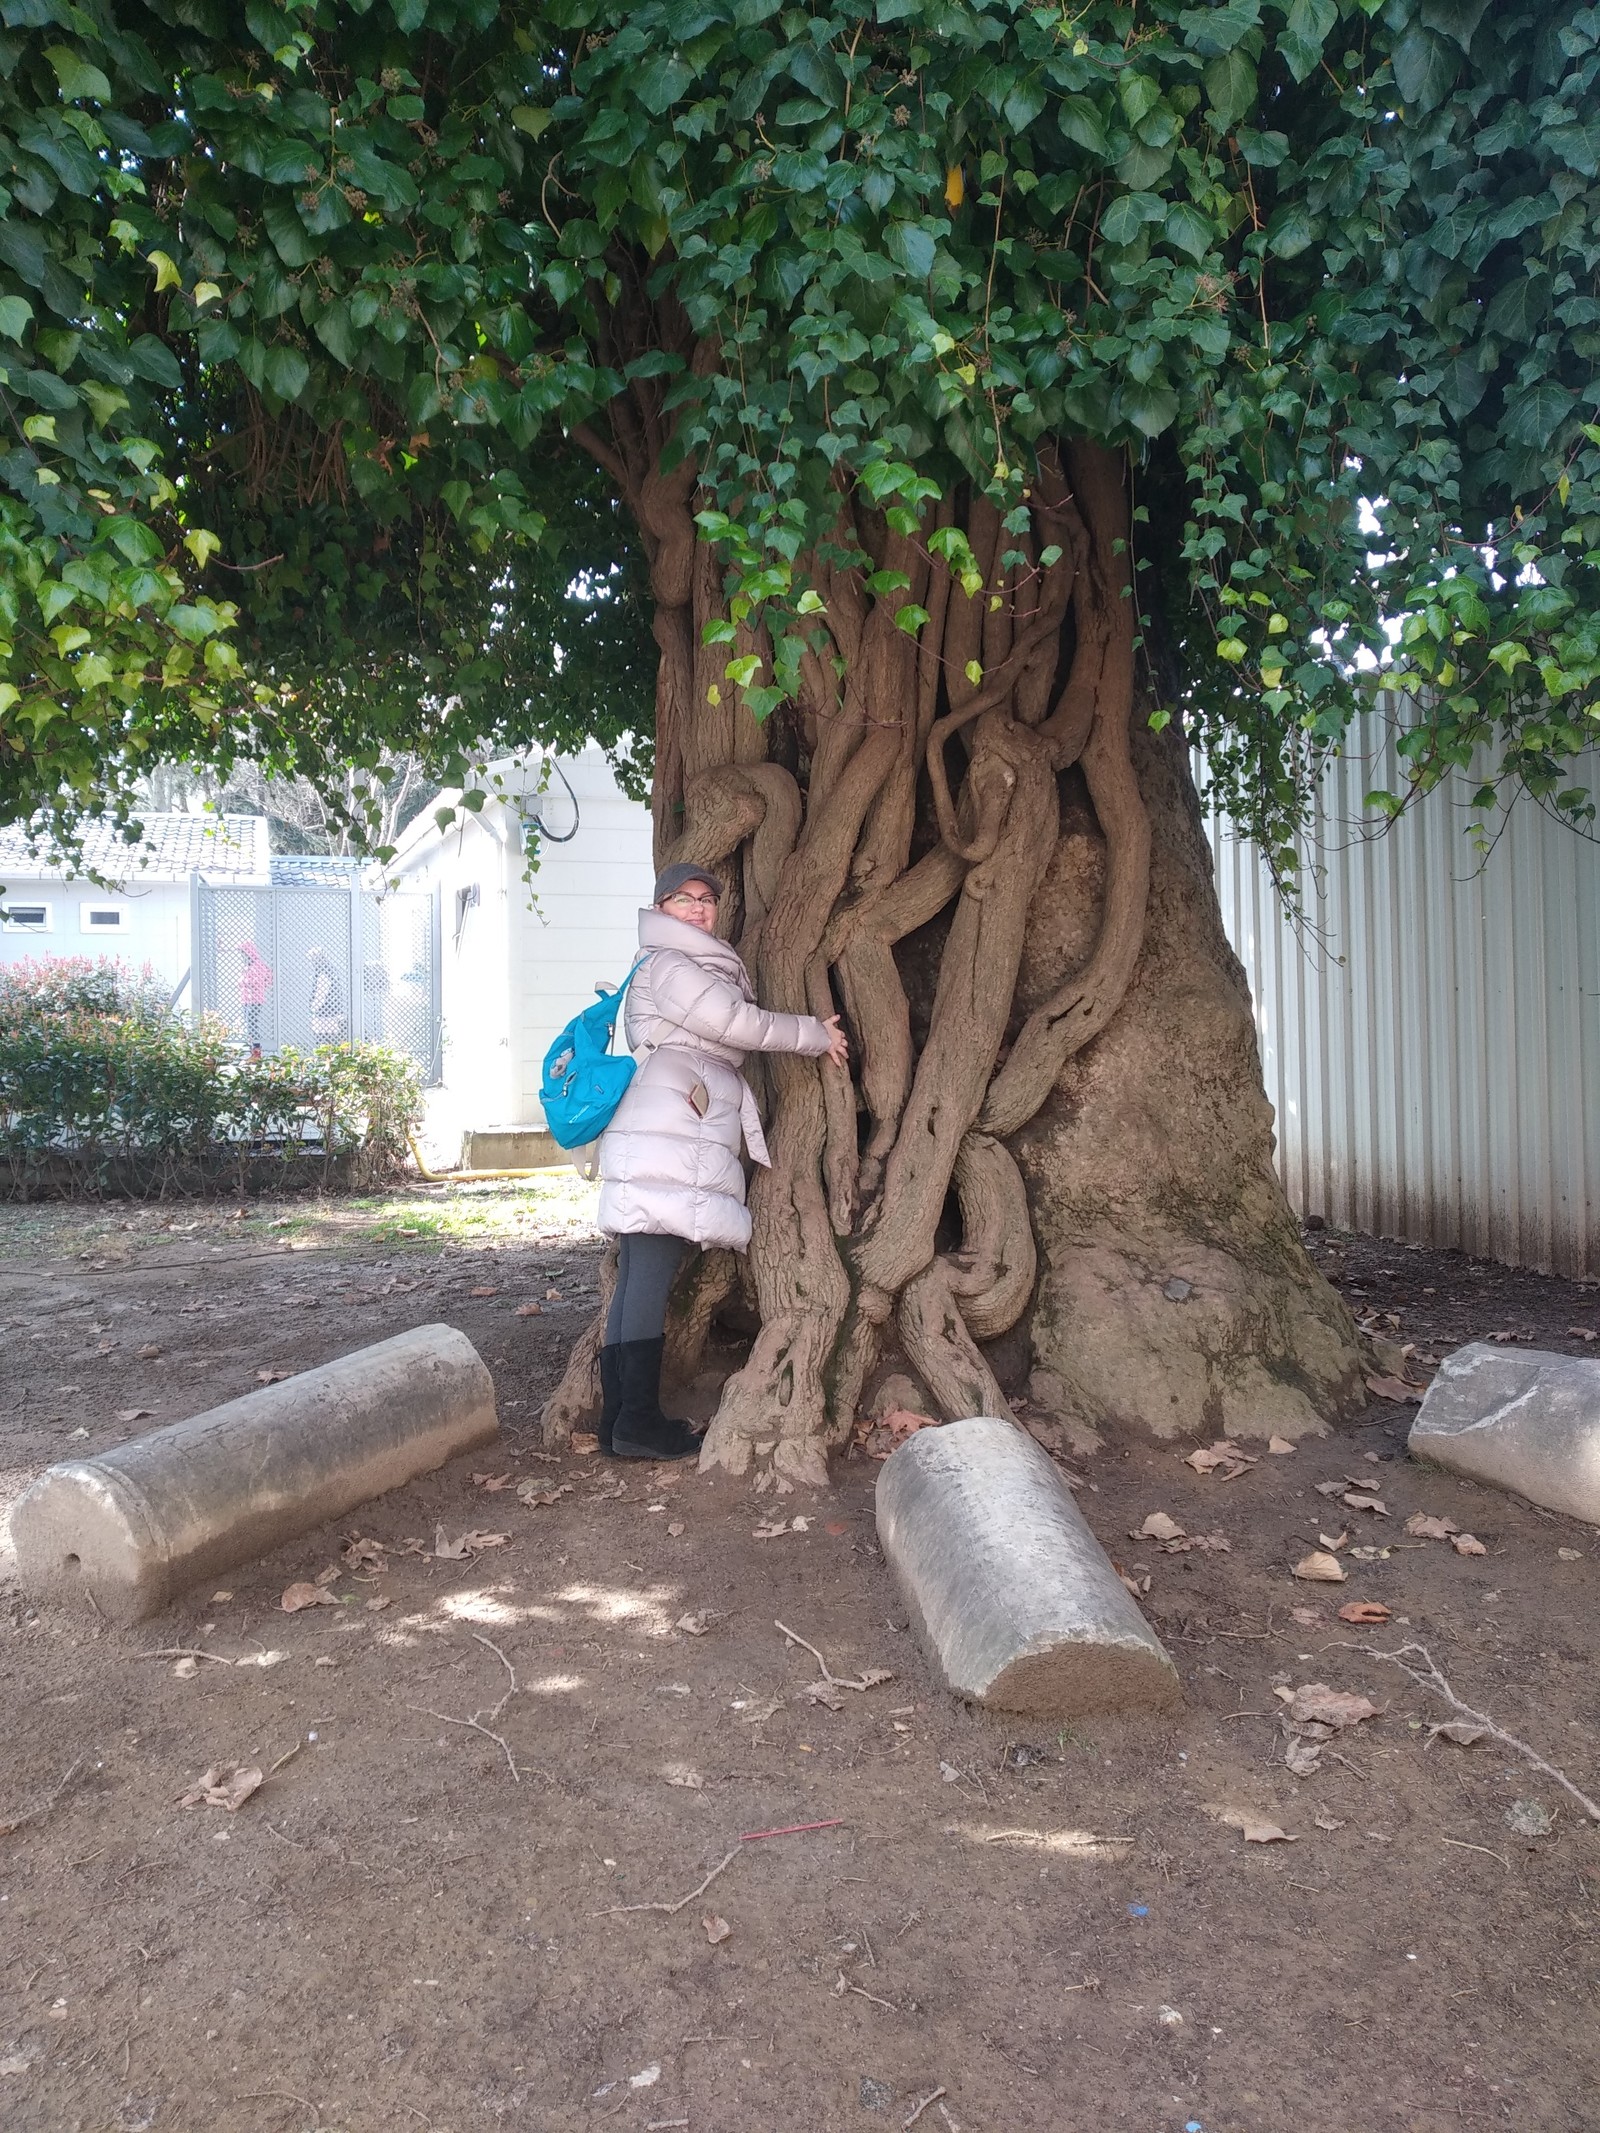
pixel 417 1923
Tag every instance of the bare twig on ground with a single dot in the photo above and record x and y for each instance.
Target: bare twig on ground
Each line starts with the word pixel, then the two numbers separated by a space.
pixel 861 1991
pixel 37 1814
pixel 185 1651
pixel 793 1829
pixel 921 2107
pixel 869 1680
pixel 1435 1681
pixel 1456 1844
pixel 475 1723
pixel 671 1909
pixel 285 2096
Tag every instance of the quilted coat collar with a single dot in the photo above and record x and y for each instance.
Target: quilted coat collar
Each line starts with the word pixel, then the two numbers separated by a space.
pixel 658 930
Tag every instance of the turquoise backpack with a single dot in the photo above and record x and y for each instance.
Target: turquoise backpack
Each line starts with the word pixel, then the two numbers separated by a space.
pixel 584 1080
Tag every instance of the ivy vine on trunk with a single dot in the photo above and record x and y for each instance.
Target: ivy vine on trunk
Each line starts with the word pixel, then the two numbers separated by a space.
pixel 892 841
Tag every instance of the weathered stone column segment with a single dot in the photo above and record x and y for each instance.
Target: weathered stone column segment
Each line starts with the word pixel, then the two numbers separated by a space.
pixel 1011 1595
pixel 134 1527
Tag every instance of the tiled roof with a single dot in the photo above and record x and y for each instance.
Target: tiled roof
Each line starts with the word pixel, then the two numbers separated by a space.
pixel 315 870
pixel 221 847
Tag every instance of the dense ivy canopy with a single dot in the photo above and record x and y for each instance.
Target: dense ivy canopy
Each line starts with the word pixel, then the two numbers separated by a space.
pixel 302 307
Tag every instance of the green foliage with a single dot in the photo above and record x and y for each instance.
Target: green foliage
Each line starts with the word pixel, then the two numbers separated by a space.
pixel 336 281
pixel 102 1087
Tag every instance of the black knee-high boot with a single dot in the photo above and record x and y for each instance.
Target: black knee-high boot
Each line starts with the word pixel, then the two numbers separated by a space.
pixel 641 1430
pixel 610 1393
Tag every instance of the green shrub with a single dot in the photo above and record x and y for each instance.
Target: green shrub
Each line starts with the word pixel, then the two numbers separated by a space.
pixel 104 1088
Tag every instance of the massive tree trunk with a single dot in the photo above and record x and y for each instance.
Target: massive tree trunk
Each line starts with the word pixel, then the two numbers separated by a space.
pixel 1054 1153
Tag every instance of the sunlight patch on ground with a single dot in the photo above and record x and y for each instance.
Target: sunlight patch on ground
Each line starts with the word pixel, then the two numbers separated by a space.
pixel 487 1605
pixel 602 1603
pixel 1065 1843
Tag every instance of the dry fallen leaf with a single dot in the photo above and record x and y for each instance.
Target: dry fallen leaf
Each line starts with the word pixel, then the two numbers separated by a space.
pixel 1333 1542
pixel 305 1594
pixel 226 1785
pixel 584 1442
pixel 1316 1704
pixel 1570 1555
pixel 531 1493
pixel 1467 1544
pixel 1158 1526
pixel 1329 1822
pixel 1206 1543
pixel 1330 1488
pixel 1363 1611
pixel 1356 1500
pixel 825 1693
pixel 1221 1457
pixel 1583 1333
pixel 364 1554
pixel 187 1667
pixel 271 1377
pixel 454 1551
pixel 146 1354
pixel 133 1414
pixel 529 1311
pixel 1423 1527
pixel 1279 1446
pixel 1302 1758
pixel 681 1774
pixel 1136 1586
pixel 692 1625
pixel 1320 1569
pixel 376 1607
pixel 1460 1730
pixel 491 1482
pixel 715 1928
pixel 771 1531
pixel 674 1528
pixel 1394 1389
pixel 1307 1617
pixel 483 1292
pixel 1255 1829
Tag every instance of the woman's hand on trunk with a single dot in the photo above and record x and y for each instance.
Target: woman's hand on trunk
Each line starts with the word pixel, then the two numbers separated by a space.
pixel 838 1042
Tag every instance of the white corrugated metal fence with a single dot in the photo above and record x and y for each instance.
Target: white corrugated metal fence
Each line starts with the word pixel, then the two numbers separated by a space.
pixel 1430 1028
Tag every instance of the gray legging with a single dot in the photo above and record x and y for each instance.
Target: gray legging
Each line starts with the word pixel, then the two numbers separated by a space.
pixel 646 1269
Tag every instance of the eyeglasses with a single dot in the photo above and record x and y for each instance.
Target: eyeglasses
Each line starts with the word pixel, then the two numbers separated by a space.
pixel 703 903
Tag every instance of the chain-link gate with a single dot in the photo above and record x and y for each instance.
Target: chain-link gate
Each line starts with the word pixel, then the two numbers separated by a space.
pixel 309 965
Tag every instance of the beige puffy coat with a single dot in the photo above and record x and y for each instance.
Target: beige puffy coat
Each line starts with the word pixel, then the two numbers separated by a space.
pixel 669 1160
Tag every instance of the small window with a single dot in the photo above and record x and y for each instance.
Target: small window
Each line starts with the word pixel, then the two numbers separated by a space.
pixel 26 918
pixel 103 918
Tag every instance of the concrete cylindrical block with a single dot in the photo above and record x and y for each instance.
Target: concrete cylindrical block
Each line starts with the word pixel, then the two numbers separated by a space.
pixel 135 1526
pixel 1013 1598
pixel 1524 1420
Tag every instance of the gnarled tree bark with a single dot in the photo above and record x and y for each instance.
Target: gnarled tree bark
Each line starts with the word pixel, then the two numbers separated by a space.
pixel 1055 1150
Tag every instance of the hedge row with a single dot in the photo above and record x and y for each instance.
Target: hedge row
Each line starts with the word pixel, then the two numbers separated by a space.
pixel 104 1089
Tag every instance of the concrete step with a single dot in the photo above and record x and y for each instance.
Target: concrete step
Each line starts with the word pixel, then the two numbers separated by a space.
pixel 511 1148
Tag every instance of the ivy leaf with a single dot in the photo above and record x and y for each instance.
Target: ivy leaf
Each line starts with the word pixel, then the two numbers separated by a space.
pixel 1189 230
pixel 1305 35
pixel 1536 416
pixel 167 275
pixel 1231 87
pixel 15 312
pixel 1082 124
pixel 76 79
pixel 1127 216
pixel 286 371
pixel 1424 68
pixel 911 247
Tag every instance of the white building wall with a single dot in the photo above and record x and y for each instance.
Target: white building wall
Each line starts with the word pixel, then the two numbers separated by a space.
pixel 155 932
pixel 529 954
pixel 1430 1028
pixel 576 924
